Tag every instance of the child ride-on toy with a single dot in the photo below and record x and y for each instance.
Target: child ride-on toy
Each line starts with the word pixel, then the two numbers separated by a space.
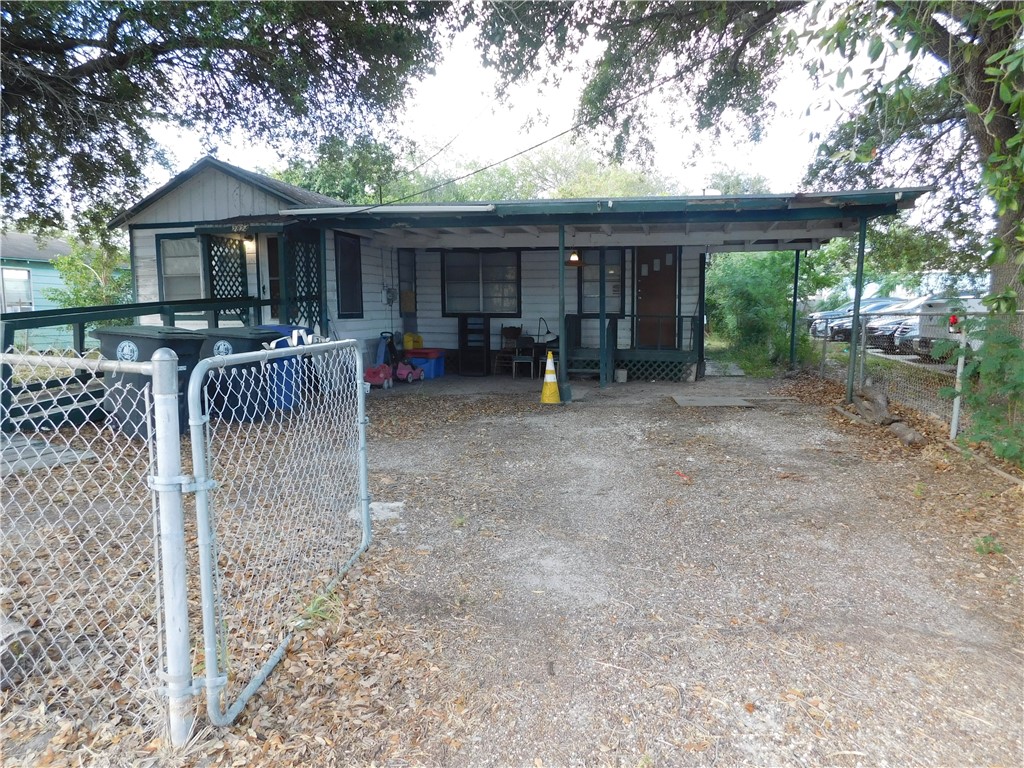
pixel 402 369
pixel 408 372
pixel 379 376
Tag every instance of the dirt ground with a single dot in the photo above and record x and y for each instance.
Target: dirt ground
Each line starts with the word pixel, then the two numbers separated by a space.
pixel 621 581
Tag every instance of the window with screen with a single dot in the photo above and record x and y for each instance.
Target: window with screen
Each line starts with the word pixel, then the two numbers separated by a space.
pixel 181 269
pixel 481 282
pixel 590 282
pixel 17 285
pixel 349 263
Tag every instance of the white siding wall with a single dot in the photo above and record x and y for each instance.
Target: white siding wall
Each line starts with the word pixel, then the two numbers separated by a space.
pixel 144 253
pixel 209 196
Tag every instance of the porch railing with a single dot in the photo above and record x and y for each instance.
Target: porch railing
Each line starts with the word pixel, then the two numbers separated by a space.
pixel 649 332
pixel 78 321
pixel 80 318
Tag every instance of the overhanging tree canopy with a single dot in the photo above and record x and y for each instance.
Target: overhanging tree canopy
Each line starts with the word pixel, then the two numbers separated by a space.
pixel 84 82
pixel 724 58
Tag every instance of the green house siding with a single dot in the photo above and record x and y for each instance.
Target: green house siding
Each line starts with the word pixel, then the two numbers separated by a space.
pixel 43 276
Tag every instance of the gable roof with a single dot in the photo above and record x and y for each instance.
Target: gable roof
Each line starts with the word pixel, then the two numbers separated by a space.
pixel 24 247
pixel 289 194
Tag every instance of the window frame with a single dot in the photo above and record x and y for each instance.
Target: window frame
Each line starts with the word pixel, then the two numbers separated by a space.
pixel 481 253
pixel 343 312
pixel 621 312
pixel 203 268
pixel 31 295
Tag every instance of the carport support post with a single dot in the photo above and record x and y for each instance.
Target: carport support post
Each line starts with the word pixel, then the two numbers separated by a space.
pixel 792 324
pixel 564 390
pixel 858 290
pixel 602 314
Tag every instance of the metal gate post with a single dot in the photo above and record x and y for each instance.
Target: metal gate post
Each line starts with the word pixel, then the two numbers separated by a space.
pixel 166 482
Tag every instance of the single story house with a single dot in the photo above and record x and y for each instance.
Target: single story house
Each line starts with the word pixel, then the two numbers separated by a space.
pixel 26 271
pixel 631 294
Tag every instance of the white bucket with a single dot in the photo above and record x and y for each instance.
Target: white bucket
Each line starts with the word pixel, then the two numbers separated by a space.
pixel 620 375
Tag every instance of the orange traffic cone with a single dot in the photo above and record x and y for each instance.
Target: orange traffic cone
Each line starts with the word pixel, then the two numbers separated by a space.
pixel 549 394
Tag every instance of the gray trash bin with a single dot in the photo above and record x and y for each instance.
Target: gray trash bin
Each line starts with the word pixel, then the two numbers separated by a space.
pixel 137 343
pixel 241 392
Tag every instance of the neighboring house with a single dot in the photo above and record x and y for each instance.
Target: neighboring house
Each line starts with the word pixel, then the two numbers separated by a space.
pixel 26 271
pixel 458 273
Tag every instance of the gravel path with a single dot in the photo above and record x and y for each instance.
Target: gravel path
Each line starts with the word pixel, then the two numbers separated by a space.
pixel 622 581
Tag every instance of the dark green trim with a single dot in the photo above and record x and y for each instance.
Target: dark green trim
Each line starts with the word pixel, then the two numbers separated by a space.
pixel 167 225
pixel 792 322
pixel 857 294
pixel 160 261
pixel 682 212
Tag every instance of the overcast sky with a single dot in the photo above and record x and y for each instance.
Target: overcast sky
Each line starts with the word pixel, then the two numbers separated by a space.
pixel 458 102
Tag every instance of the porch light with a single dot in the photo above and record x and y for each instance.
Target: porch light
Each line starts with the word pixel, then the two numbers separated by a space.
pixel 574 259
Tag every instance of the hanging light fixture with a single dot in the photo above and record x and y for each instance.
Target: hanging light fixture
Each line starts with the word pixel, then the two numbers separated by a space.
pixel 574 259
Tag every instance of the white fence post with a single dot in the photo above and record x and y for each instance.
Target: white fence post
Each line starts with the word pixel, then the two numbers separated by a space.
pixel 166 482
pixel 954 421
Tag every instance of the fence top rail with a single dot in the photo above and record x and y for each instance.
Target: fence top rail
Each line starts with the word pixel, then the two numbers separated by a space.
pixel 195 385
pixel 77 363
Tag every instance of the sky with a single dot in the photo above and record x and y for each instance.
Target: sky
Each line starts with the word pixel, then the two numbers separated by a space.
pixel 458 102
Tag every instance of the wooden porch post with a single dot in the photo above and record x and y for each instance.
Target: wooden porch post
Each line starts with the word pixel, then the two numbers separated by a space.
pixel 792 323
pixel 857 293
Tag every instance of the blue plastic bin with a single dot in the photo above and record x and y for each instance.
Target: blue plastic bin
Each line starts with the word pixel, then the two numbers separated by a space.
pixel 433 367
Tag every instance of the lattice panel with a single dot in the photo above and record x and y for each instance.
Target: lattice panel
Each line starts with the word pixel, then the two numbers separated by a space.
pixel 228 278
pixel 304 263
pixel 649 370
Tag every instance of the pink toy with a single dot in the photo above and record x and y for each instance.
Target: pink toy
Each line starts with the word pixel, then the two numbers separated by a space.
pixel 405 371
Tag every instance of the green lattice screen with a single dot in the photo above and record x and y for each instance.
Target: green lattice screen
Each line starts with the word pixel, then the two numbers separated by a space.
pixel 228 278
pixel 643 370
pixel 303 268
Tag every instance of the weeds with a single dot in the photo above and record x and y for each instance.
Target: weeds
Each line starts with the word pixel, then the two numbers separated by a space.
pixel 987 545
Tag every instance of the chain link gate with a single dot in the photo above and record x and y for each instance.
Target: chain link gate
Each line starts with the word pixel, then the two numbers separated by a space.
pixel 282 505
pixel 97 505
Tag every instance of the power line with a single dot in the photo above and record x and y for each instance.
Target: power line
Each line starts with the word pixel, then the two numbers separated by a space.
pixel 574 127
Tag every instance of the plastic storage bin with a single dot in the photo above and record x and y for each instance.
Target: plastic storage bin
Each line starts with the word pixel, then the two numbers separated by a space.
pixel 240 392
pixel 137 343
pixel 285 375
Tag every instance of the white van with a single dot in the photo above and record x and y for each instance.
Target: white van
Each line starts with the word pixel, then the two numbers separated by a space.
pixel 936 325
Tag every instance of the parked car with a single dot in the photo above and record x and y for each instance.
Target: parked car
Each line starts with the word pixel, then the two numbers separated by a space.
pixel 839 325
pixel 935 325
pixel 881 329
pixel 906 335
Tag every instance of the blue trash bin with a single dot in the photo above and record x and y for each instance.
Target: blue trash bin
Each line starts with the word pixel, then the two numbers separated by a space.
pixel 285 374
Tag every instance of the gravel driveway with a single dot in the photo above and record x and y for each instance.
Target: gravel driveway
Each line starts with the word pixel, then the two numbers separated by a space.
pixel 622 581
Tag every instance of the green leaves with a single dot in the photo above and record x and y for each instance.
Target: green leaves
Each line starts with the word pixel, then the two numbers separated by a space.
pixel 83 81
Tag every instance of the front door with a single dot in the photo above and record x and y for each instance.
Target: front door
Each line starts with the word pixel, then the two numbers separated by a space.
pixel 656 270
pixel 269 259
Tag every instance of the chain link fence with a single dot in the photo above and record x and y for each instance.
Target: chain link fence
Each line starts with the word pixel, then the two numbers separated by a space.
pixel 910 357
pixel 78 564
pixel 149 550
